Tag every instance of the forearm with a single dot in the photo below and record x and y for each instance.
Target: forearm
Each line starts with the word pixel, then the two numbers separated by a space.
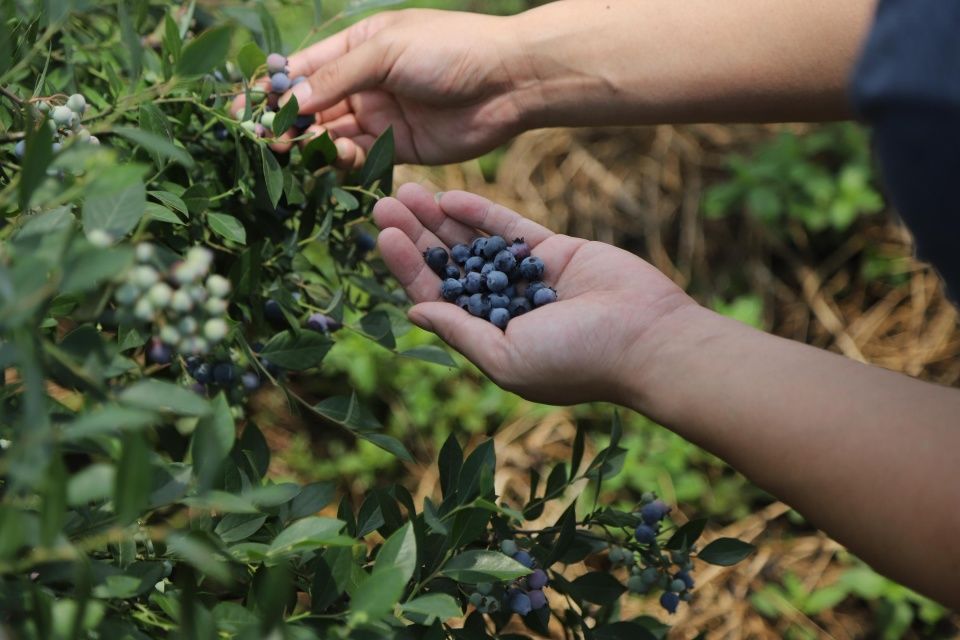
pixel 870 456
pixel 663 61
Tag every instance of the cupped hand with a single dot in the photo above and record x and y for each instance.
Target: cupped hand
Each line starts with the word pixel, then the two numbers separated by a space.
pixel 443 80
pixel 592 344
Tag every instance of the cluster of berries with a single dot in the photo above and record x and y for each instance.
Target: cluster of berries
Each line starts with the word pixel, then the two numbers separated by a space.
pixel 499 281
pixel 280 82
pixel 186 306
pixel 525 595
pixel 210 376
pixel 64 121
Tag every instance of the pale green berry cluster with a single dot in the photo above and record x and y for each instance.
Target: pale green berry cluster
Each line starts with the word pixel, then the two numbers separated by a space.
pixel 186 304
pixel 65 120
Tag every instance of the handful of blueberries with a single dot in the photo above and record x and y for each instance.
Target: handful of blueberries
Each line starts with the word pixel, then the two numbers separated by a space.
pixel 498 281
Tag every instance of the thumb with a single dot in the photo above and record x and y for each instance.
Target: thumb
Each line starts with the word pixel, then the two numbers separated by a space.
pixel 358 69
pixel 478 340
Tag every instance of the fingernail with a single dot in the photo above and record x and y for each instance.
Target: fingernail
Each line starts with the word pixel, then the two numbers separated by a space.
pixel 302 91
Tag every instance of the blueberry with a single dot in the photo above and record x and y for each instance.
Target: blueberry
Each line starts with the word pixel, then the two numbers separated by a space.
pixel 273 313
pixel 159 353
pixel 519 603
pixel 678 585
pixel 250 381
pixel 224 373
pixel 56 147
pixel 451 289
pixel 476 598
pixel 493 246
pixel 532 289
pixel 473 264
pixel 463 301
pixel 518 306
pixel 472 282
pixel 20 148
pixel 322 323
pixel 524 558
pixel 487 268
pixel 257 347
pixel 497 281
pixel 635 584
pixel 365 243
pixel 484 588
pixel 519 249
pixel 538 579
pixel 451 271
pixel 76 103
pixel 686 578
pixel 203 373
pixel 654 512
pixel 649 575
pixel 436 258
pixel 476 247
pixel 274 370
pixel 510 291
pixel 532 268
pixel 543 296
pixel 504 261
pixel 479 305
pixel 191 363
pixel 63 116
pixel 220 132
pixel 645 534
pixel 218 286
pixel 647 497
pixel 537 599
pixel 460 253
pixel 215 329
pixel 499 301
pixel 276 63
pixel 616 555
pixel 499 317
pixel 304 120
pixel 267 119
pixel 509 547
pixel 279 82
pixel 669 601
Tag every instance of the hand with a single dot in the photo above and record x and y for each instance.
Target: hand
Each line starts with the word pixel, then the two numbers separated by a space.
pixel 443 80
pixel 589 345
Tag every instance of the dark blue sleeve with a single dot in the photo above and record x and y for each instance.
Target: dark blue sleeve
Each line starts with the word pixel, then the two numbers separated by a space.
pixel 907 88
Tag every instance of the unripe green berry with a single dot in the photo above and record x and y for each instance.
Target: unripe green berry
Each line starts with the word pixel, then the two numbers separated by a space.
pixel 616 555
pixel 650 575
pixel 198 293
pixel 476 599
pixel 509 547
pixel 160 294
pixel 215 329
pixel 218 286
pixel 63 116
pixel 249 125
pixel 145 276
pixel 99 238
pixel 216 306
pixel 169 335
pixel 83 135
pixel 636 585
pixel 43 106
pixel 199 256
pixel 185 273
pixel 126 294
pixel 181 301
pixel 145 252
pixel 647 497
pixel 678 586
pixel 188 326
pixel 195 346
pixel 143 310
pixel 77 103
pixel 484 588
pixel 267 119
pixel 257 96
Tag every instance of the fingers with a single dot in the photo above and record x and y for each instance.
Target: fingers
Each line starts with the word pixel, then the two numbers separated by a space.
pixel 478 212
pixel 478 340
pixel 406 263
pixel 392 213
pixel 357 69
pixel 423 205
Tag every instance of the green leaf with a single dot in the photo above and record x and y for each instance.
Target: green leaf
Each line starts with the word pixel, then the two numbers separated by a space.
pixel 92 484
pixel 53 507
pixel 449 463
pixel 482 459
pixel 399 552
pixel 134 478
pixel 160 213
pixel 387 443
pixel 576 456
pixel 93 267
pixel 296 351
pixel 172 201
pixel 156 395
pixel 285 117
pixel 131 40
pixel 378 594
pixel 476 566
pixel 726 551
pixel 346 201
pixel 272 175
pixel 115 201
pixel 227 226
pixel 249 59
pixel 597 587
pixel 235 527
pixel 197 551
pixel 430 353
pixel 379 163
pixel 306 534
pixel 311 499
pixel 319 152
pixel 434 607
pixel 212 441
pixel 268 27
pixel 333 572
pixel 172 42
pixel 36 159
pixel 348 412
pixel 376 324
pixel 205 52
pixel 686 536
pixel 108 420
pixel 159 147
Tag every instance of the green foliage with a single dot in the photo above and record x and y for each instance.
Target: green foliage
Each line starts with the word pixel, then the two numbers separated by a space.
pixel 822 179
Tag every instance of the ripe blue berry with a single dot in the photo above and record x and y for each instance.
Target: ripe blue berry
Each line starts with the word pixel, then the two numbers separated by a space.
pixel 364 242
pixel 499 317
pixel 493 246
pixel 224 373
pixel 250 381
pixel 472 282
pixel 654 512
pixel 543 296
pixel 451 271
pixel 436 258
pixel 202 373
pixel 532 268
pixel 518 306
pixel 519 249
pixel 538 579
pixel 686 578
pixel 504 261
pixel 479 305
pixel 537 599
pixel 460 253
pixel 645 534
pixel 476 247
pixel 463 301
pixel 159 353
pixel 519 603
pixel 532 289
pixel 669 601
pixel 322 323
pixel 276 63
pixel 524 558
pixel 509 547
pixel 678 585
pixel 473 264
pixel 273 313
pixel 451 289
pixel 279 82
pixel 304 120
pixel 497 281
pixel 498 301
pixel 220 132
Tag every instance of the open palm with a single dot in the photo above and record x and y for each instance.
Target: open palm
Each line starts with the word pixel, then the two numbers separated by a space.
pixel 578 349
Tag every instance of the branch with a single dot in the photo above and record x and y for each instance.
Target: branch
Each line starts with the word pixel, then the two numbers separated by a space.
pixel 12 96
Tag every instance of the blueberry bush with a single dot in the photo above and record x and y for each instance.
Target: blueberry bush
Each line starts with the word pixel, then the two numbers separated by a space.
pixel 158 265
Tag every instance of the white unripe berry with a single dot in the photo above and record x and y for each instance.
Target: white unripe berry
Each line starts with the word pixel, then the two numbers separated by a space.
pixel 218 286
pixel 145 276
pixel 182 302
pixel 216 306
pixel 188 326
pixel 143 310
pixel 169 335
pixel 160 294
pixel 63 116
pixel 215 329
pixel 99 238
pixel 77 103
pixel 145 252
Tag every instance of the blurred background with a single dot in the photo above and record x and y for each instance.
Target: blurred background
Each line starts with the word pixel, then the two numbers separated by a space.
pixel 782 227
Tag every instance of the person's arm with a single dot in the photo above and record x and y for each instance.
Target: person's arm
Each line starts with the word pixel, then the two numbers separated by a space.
pixel 598 62
pixel 870 456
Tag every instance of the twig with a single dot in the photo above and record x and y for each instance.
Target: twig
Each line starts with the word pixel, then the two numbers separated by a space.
pixel 12 96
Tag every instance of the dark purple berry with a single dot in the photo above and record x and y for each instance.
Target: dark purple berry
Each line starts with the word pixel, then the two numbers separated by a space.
pixel 364 242
pixel 472 282
pixel 220 132
pixel 436 258
pixel 645 534
pixel 524 558
pixel 476 247
pixel 224 373
pixel 460 253
pixel 304 121
pixel 519 249
pixel 669 601
pixel 203 373
pixel 276 63
pixel 493 246
pixel 538 579
pixel 499 317
pixel 532 268
pixel 519 603
pixel 497 281
pixel 479 305
pixel 504 261
pixel 250 381
pixel 192 362
pixel 279 82
pixel 654 512
pixel 273 313
pixel 159 353
pixel 451 289
pixel 518 306
pixel 537 599
pixel 473 264
pixel 686 578
pixel 451 271
pixel 322 323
